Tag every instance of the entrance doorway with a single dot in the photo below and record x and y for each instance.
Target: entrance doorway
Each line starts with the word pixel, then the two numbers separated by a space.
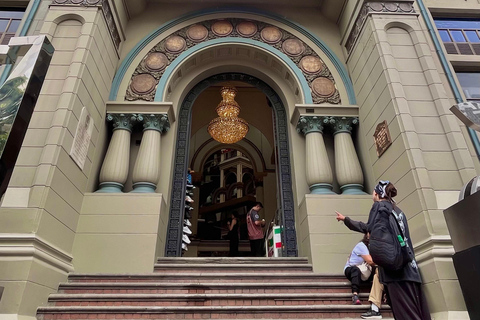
pixel 263 156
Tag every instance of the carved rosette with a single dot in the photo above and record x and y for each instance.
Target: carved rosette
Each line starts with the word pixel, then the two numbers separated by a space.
pixel 370 7
pixel 148 73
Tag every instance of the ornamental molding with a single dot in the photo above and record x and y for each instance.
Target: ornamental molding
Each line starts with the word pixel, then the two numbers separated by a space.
pixel 31 245
pixel 309 124
pixel 107 14
pixel 145 78
pixel 371 7
pixel 122 121
pixel 158 122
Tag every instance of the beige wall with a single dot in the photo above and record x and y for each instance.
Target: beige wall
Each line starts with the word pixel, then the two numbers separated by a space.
pixel 396 78
pixel 42 204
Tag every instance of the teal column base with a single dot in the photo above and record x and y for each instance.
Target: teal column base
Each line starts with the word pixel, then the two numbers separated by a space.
pixel 143 187
pixel 352 189
pixel 110 187
pixel 321 188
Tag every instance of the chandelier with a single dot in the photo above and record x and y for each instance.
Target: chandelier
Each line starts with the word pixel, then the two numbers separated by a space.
pixel 228 127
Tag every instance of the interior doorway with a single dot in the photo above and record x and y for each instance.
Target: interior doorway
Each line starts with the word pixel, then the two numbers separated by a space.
pixel 231 177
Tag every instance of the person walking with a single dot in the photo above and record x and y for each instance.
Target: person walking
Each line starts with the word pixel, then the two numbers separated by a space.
pixel 255 230
pixel 404 286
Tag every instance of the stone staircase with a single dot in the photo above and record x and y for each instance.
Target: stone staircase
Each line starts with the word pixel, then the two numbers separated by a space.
pixel 208 288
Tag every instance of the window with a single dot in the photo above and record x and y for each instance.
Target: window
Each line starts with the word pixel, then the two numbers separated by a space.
pixel 9 23
pixel 460 36
pixel 470 82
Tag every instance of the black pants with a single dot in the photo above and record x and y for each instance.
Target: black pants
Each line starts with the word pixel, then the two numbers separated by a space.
pixel 233 247
pixel 354 275
pixel 407 301
pixel 256 246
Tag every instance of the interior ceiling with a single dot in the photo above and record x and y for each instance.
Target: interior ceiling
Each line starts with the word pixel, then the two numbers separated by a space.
pixel 330 8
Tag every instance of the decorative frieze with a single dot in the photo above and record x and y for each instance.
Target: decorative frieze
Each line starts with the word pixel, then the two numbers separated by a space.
pixel 147 75
pixel 370 7
pixel 107 13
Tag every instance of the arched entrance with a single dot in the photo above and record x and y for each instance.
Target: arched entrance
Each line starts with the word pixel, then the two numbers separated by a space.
pixel 284 179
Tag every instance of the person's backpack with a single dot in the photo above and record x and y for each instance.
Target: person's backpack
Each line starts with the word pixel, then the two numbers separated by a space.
pixel 387 245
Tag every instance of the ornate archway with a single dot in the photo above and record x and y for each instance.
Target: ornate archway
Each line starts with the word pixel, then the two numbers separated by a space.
pixel 287 217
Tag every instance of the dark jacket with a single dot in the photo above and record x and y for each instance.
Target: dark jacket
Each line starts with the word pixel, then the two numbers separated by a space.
pixel 381 210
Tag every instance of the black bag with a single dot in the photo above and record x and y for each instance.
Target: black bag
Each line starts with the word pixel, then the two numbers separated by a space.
pixel 387 245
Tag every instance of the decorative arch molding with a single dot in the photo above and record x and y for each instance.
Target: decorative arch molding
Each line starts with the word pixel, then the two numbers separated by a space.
pixel 175 223
pixel 320 84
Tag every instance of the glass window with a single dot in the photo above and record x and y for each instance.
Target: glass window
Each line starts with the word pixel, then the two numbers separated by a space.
pixel 470 82
pixel 457 36
pixel 472 36
pixel 445 36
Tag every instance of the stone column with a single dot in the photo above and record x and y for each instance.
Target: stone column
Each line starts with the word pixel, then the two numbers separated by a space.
pixel 114 170
pixel 146 171
pixel 347 166
pixel 318 170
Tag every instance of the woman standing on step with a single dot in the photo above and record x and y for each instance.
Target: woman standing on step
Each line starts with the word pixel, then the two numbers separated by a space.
pixel 403 286
pixel 233 234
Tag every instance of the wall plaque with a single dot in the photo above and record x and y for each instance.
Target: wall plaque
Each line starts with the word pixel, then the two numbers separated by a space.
pixel 82 138
pixel 382 138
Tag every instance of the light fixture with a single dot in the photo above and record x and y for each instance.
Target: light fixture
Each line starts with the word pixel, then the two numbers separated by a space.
pixel 228 127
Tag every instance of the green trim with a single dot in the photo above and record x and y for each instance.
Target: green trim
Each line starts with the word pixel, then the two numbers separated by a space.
pixel 352 189
pixel 447 69
pixel 149 38
pixel 321 188
pixel 188 53
pixel 23 32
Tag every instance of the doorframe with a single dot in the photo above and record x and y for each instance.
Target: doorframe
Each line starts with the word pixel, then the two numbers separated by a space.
pixel 173 241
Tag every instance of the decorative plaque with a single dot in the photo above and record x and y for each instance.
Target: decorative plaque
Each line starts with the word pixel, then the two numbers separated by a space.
pixel 83 135
pixel 382 138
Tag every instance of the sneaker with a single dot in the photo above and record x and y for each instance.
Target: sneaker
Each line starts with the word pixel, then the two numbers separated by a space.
pixel 184 246
pixel 188 208
pixel 188 193
pixel 186 239
pixel 187 223
pixel 370 314
pixel 188 199
pixel 355 299
pixel 186 230
pixel 190 187
pixel 187 215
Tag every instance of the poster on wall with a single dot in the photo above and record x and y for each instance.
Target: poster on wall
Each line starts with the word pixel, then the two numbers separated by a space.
pixel 82 138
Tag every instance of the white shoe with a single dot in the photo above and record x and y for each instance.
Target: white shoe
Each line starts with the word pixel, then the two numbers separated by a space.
pixel 188 199
pixel 187 223
pixel 186 239
pixel 186 230
pixel 184 246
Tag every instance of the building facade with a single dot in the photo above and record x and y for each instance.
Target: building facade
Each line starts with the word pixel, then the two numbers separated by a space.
pixel 338 94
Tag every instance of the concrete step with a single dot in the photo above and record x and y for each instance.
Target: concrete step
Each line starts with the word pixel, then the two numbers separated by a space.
pixel 231 260
pixel 204 312
pixel 224 267
pixel 195 299
pixel 206 287
pixel 199 276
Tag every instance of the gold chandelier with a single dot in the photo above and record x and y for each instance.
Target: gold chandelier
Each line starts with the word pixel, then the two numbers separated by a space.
pixel 228 127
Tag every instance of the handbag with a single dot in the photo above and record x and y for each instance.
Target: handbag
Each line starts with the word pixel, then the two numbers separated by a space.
pixel 365 270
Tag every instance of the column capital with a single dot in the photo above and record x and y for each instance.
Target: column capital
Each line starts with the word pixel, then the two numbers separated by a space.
pixel 158 122
pixel 342 124
pixel 309 124
pixel 122 121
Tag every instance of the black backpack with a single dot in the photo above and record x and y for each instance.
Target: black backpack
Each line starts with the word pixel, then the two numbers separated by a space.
pixel 387 245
